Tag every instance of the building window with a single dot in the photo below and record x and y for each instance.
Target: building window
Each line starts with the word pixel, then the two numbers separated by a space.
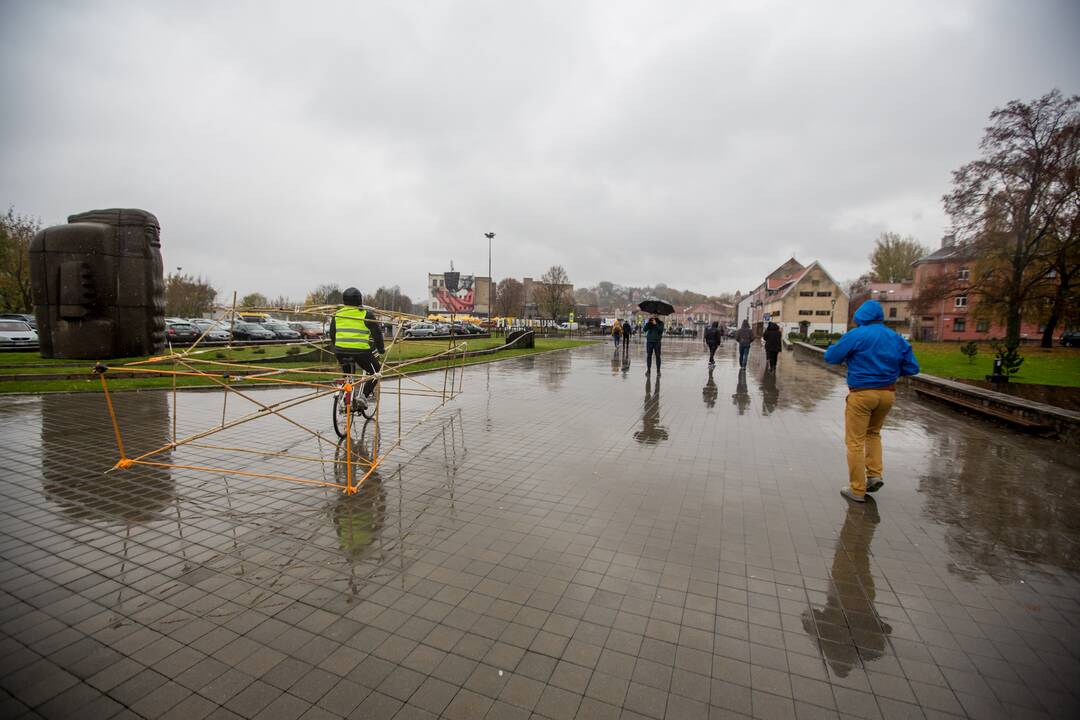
pixel 806 312
pixel 959 325
pixel 928 318
pixel 824 293
pixel 982 326
pixel 806 293
pixel 963 274
pixel 822 312
pixel 892 312
pixel 960 301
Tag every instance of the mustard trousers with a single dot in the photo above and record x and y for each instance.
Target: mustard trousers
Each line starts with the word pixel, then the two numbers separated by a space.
pixel 863 417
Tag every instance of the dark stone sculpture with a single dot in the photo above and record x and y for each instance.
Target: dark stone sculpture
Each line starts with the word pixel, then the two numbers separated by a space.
pixel 98 286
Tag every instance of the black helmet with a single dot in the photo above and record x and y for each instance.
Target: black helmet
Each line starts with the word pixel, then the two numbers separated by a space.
pixel 352 296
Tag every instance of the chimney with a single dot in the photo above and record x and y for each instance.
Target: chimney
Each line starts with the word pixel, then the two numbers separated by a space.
pixel 948 241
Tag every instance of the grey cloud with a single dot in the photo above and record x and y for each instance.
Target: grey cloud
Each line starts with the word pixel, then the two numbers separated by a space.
pixel 697 144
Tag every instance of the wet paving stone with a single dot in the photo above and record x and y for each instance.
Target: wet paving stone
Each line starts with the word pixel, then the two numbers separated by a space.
pixel 567 539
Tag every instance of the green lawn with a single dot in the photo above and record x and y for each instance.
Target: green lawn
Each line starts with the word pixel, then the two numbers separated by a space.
pixel 17 364
pixel 1057 366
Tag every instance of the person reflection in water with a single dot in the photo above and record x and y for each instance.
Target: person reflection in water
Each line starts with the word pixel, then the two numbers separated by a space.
pixel 741 398
pixel 848 630
pixel 770 394
pixel 651 431
pixel 709 392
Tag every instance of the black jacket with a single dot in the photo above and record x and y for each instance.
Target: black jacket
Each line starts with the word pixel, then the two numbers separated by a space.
pixel 773 339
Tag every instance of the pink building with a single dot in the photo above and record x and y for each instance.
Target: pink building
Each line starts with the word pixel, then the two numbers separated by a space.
pixel 953 317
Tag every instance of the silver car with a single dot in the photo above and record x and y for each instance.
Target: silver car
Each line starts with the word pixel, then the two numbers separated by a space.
pixel 17 334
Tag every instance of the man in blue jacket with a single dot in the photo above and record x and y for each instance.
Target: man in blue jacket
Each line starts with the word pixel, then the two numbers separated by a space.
pixel 875 356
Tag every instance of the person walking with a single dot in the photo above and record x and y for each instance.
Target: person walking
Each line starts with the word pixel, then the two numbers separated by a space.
pixel 773 345
pixel 616 333
pixel 876 357
pixel 654 335
pixel 712 341
pixel 627 331
pixel 745 337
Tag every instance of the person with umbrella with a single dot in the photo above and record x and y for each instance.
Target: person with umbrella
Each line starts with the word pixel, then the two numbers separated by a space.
pixel 654 330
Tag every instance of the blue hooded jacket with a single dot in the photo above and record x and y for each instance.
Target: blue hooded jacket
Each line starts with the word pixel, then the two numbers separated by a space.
pixel 875 355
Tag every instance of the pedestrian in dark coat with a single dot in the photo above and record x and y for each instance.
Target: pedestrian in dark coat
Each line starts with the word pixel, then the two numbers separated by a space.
pixel 773 345
pixel 712 341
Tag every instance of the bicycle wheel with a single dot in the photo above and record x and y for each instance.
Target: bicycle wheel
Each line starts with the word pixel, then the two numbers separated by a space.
pixel 368 411
pixel 341 410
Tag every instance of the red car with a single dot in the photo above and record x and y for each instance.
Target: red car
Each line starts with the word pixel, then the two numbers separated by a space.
pixel 308 330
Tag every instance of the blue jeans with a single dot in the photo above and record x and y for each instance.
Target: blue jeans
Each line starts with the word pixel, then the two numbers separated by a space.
pixel 652 346
pixel 617 339
pixel 744 355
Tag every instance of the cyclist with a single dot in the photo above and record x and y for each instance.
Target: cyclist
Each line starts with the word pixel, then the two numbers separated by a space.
pixel 353 336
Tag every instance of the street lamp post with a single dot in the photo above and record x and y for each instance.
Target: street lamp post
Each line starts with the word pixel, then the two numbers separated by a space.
pixel 832 314
pixel 491 288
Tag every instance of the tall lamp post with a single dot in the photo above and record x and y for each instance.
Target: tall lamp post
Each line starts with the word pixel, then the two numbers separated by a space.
pixel 491 288
pixel 832 314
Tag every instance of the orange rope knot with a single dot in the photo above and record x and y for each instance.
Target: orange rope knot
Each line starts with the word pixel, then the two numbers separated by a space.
pixel 351 490
pixel 124 463
pixel 347 387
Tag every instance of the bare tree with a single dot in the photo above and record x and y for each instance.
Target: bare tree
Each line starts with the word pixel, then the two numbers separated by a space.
pixel 509 298
pixel 893 256
pixel 326 294
pixel 554 297
pixel 391 299
pixel 188 296
pixel 16 232
pixel 1009 201
pixel 1064 298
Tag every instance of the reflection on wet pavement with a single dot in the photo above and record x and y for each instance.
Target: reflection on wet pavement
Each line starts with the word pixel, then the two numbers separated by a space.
pixel 558 543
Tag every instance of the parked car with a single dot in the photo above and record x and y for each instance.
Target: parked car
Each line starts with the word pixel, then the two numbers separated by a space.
pixel 281 330
pixel 180 332
pixel 1070 338
pixel 251 331
pixel 23 317
pixel 255 317
pixel 421 329
pixel 309 330
pixel 17 334
pixel 216 330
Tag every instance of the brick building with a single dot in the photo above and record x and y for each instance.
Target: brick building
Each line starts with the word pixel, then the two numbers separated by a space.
pixel 954 317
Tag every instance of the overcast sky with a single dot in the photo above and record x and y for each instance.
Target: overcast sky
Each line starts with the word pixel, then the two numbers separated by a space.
pixel 283 145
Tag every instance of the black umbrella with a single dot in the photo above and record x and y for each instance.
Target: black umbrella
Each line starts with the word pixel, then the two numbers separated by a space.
pixel 656 306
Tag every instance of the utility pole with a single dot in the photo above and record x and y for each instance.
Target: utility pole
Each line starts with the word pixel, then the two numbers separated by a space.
pixel 491 281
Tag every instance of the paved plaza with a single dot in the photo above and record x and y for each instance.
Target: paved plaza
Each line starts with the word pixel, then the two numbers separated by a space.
pixel 566 539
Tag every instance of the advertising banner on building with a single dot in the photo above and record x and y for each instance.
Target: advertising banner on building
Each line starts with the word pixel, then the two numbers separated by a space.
pixel 451 293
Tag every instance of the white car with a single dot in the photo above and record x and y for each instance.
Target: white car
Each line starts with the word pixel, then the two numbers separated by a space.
pixel 16 333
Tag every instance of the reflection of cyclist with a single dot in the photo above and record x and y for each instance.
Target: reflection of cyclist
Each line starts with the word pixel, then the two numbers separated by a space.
pixel 353 335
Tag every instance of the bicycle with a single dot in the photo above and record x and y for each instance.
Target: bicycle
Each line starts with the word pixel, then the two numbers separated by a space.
pixel 349 399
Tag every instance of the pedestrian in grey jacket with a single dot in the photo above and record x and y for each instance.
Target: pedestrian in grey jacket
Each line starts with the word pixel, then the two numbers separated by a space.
pixel 745 338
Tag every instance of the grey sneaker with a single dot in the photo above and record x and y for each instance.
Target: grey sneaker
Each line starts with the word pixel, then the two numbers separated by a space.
pixel 850 495
pixel 873 484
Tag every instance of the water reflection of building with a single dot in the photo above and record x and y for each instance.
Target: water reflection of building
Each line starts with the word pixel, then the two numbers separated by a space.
pixel 651 431
pixel 556 369
pixel 848 629
pixel 77 450
pixel 1002 504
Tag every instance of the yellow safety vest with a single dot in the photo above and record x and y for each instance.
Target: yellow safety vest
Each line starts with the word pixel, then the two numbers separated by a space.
pixel 351 332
